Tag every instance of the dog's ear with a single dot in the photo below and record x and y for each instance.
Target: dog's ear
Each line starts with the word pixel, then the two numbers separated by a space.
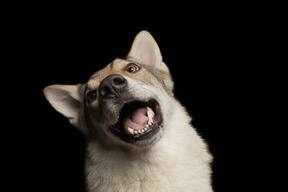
pixel 66 100
pixel 146 51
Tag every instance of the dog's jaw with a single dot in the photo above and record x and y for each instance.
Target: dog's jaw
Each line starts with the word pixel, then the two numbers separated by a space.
pixel 139 122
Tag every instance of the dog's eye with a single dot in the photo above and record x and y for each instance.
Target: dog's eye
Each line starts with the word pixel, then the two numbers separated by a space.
pixel 91 96
pixel 132 68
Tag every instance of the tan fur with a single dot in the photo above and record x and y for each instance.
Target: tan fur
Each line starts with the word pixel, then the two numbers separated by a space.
pixel 174 159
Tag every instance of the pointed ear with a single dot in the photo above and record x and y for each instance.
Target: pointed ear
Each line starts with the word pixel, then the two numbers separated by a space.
pixel 146 51
pixel 65 99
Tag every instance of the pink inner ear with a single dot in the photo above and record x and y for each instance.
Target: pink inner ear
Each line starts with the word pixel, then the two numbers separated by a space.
pixel 62 100
pixel 73 104
pixel 148 58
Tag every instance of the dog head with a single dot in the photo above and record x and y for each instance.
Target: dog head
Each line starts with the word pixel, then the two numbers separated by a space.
pixel 128 102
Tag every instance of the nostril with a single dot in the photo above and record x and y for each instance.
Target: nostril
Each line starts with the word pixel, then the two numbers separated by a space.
pixel 118 80
pixel 104 89
pixel 113 86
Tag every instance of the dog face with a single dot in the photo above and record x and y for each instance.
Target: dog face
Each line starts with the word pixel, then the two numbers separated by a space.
pixel 127 102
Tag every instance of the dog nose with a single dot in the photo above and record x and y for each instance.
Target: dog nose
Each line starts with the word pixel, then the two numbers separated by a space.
pixel 112 86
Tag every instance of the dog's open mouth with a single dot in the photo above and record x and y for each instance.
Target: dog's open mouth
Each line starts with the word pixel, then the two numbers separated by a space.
pixel 138 120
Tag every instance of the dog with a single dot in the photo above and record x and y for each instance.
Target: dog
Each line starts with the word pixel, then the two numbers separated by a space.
pixel 139 137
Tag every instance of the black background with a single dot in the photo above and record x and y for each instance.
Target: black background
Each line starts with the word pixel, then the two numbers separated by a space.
pixel 207 51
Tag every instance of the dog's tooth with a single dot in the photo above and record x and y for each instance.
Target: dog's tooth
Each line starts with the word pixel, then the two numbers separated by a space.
pixel 150 123
pixel 135 132
pixel 131 131
pixel 150 114
pixel 142 130
pixel 145 128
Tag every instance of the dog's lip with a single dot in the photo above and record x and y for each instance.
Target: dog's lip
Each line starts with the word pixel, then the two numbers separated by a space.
pixel 141 128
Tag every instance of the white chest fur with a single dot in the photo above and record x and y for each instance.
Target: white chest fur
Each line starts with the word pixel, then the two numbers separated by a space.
pixel 179 165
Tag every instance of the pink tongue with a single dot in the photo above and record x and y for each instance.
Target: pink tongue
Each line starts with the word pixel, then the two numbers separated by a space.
pixel 137 120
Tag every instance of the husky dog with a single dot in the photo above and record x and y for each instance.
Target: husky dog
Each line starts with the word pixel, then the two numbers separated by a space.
pixel 139 137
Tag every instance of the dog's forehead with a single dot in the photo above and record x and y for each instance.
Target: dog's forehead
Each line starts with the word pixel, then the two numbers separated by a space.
pixel 114 67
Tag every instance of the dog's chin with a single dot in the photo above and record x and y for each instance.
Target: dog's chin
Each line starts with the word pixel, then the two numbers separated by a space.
pixel 139 122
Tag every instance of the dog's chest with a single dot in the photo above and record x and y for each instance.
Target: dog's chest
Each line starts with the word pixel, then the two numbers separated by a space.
pixel 118 173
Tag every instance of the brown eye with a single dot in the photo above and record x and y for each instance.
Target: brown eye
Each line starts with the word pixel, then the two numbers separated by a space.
pixel 91 96
pixel 132 68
